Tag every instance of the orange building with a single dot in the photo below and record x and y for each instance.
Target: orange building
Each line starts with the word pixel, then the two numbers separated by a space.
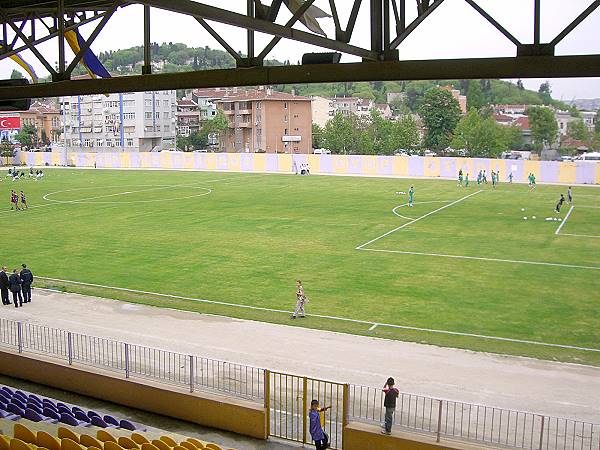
pixel 45 118
pixel 261 120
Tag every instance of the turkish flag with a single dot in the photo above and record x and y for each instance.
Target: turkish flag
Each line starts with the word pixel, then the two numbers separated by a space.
pixel 10 123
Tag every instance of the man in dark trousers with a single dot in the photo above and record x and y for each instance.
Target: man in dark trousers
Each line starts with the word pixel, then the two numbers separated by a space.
pixel 4 286
pixel 14 284
pixel 26 281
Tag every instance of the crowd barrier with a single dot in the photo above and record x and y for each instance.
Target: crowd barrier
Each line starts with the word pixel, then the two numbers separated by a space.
pixel 286 397
pixel 580 172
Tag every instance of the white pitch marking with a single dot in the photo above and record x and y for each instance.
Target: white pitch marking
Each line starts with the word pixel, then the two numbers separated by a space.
pixel 373 326
pixel 481 258
pixel 588 206
pixel 343 319
pixel 565 220
pixel 579 235
pixel 416 203
pixel 417 219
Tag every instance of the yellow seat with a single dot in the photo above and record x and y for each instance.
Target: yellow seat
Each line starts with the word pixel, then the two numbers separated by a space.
pixel 179 447
pixel 212 446
pixel 198 444
pixel 4 442
pixel 188 445
pixel 105 436
pixel 46 440
pixel 169 441
pixel 146 446
pixel 127 443
pixel 24 434
pixel 160 444
pixel 18 444
pixel 110 445
pixel 90 441
pixel 139 439
pixel 94 448
pixel 65 433
pixel 70 444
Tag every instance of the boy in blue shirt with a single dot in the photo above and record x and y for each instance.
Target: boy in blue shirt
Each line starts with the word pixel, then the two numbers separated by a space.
pixel 316 429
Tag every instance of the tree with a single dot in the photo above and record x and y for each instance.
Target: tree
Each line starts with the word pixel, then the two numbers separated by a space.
pixel 544 128
pixel 27 135
pixel 576 129
pixel 440 113
pixel 596 141
pixel 16 75
pixel 545 92
pixel 346 135
pixel 475 97
pixel 6 150
pixel 597 124
pixel 317 136
pixel 216 126
pixel 482 136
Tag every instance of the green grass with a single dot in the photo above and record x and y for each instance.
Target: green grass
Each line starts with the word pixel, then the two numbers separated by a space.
pixel 252 236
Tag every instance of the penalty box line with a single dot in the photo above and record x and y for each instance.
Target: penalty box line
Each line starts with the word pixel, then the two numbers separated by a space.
pixel 361 247
pixel 341 319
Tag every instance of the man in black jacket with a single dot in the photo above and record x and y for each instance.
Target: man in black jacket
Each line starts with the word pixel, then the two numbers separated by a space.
pixel 4 286
pixel 14 284
pixel 26 281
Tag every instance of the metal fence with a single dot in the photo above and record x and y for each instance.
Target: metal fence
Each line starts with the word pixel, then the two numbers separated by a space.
pixel 135 360
pixel 474 422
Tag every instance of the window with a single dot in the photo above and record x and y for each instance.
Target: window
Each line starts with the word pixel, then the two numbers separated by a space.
pixel 87 142
pixel 99 142
pixel 129 142
pixel 147 102
pixel 167 128
pixel 295 116
pixel 109 143
pixel 157 115
pixel 285 118
pixel 129 103
pixel 165 115
pixel 129 115
pixel 285 131
pixel 285 105
pixel 297 129
pixel 166 103
pixel 147 115
pixel 258 105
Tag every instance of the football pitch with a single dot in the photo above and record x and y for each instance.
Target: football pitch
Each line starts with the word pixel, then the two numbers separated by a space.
pixel 462 268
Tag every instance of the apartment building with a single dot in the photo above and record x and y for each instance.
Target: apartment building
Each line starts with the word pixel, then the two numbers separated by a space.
pixel 262 120
pixel 44 117
pixel 132 122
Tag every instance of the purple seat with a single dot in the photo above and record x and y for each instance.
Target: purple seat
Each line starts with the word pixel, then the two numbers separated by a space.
pixel 35 398
pixel 64 410
pixel 92 413
pixel 35 407
pixel 19 403
pixel 80 415
pixel 69 420
pixel 4 396
pixel 127 425
pixel 8 416
pixel 52 414
pixel 49 404
pixel 33 415
pixel 7 390
pixel 34 401
pixel 98 422
pixel 110 420
pixel 63 405
pixel 12 408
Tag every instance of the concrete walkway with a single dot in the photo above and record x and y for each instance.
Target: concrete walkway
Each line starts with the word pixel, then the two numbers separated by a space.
pixel 557 389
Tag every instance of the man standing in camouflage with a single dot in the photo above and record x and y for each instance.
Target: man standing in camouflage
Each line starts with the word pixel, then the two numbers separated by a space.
pixel 300 301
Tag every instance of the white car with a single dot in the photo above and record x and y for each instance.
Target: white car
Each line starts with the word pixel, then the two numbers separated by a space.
pixel 429 153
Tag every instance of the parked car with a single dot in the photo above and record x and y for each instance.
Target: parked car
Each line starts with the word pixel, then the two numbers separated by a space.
pixel 429 153
pixel 566 158
pixel 322 151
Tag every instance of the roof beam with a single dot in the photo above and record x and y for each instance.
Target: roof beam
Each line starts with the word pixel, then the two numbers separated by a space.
pixel 514 67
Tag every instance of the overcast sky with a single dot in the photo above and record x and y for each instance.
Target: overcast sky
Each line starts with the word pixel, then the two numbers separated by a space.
pixel 454 30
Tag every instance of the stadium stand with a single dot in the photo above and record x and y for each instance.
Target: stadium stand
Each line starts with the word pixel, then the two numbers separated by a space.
pixel 78 430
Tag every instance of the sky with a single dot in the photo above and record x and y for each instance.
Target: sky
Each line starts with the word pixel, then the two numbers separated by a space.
pixel 454 30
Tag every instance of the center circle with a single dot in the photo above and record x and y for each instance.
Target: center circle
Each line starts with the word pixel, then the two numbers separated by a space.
pixel 126 190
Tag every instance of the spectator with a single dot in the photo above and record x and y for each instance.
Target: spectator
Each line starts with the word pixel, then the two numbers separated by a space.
pixel 301 300
pixel 26 281
pixel 316 429
pixel 4 286
pixel 391 394
pixel 14 284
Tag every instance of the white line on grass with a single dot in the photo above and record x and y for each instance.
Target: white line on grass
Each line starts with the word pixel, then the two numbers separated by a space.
pixel 373 326
pixel 565 220
pixel 342 319
pixel 360 247
pixel 580 235
pixel 416 203
pixel 481 258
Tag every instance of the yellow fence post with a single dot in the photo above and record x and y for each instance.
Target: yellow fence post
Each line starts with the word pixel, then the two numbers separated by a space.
pixel 345 405
pixel 267 395
pixel 303 410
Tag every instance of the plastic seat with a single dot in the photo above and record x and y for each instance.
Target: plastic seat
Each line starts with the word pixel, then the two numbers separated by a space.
pixel 18 444
pixel 127 425
pixel 5 442
pixel 81 416
pixel 146 446
pixel 46 440
pixel 77 408
pixel 99 422
pixel 169 441
pixel 91 413
pixel 162 445
pixel 127 443
pixel 8 390
pixel 110 445
pixel 24 434
pixel 69 420
pixel 51 414
pixel 179 447
pixel 188 445
pixel 109 420
pixel 212 446
pixel 37 408
pixel 69 444
pixel 12 408
pixel 35 397
pixel 89 441
pixel 33 415
pixel 64 410
pixel 139 438
pixel 63 433
pixel 199 444
pixel 18 402
pixel 21 396
pixel 105 436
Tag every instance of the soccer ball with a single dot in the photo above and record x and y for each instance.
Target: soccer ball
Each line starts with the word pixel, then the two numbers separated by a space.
pixel 534 217
pixel 559 219
pixel 522 209
pixel 525 218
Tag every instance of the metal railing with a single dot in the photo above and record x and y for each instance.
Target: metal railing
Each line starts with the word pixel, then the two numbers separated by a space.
pixel 472 422
pixel 135 360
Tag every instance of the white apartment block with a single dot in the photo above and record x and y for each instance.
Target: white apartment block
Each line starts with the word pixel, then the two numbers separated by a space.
pixel 131 122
